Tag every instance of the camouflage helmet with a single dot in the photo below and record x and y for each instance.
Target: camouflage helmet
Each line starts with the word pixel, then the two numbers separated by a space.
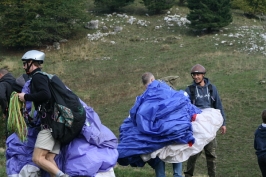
pixel 198 69
pixel 34 55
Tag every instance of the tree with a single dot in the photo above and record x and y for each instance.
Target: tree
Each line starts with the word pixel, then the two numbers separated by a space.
pixel 209 14
pixel 112 5
pixel 156 6
pixel 35 22
pixel 182 2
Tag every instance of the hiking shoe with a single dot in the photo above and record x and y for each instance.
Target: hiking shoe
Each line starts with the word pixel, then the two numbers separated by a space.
pixel 187 175
pixel 65 175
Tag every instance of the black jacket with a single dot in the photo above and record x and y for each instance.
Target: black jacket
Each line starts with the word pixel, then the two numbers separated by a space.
pixel 5 91
pixel 260 141
pixel 39 89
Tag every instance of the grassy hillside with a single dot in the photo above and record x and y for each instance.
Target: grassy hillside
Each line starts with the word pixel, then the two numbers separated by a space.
pixel 106 73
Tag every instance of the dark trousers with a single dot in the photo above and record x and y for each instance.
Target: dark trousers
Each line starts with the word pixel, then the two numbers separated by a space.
pixel 262 164
pixel 210 154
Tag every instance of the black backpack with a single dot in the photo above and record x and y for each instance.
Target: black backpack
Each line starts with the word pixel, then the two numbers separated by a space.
pixel 68 114
pixel 16 85
pixel 192 97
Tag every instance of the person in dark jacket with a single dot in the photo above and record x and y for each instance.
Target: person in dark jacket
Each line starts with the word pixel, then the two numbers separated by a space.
pixel 204 96
pixel 6 81
pixel 260 144
pixel 46 147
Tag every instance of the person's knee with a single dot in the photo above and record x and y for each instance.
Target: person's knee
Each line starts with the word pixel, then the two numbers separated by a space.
pixel 210 154
pixel 37 160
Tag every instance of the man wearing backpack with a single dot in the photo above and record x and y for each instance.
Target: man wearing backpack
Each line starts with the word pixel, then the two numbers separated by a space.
pixel 203 94
pixel 46 147
pixel 6 80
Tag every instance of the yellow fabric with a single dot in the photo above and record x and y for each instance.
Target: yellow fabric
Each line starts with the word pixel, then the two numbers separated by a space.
pixel 16 122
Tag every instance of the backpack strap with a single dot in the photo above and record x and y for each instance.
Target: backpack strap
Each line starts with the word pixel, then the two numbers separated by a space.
pixel 211 95
pixel 192 97
pixel 45 109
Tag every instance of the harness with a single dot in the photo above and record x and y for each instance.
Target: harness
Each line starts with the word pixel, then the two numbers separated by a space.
pixel 192 89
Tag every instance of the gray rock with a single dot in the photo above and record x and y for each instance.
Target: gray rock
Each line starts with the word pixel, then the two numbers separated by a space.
pixel 93 24
pixel 56 45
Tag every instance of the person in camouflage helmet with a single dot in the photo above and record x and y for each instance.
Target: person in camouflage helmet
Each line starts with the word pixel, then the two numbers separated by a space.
pixel 203 94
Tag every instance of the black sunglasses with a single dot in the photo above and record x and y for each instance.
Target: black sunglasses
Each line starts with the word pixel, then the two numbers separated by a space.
pixel 24 62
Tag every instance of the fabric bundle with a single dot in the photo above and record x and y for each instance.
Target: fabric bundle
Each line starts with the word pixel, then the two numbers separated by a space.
pixel 160 116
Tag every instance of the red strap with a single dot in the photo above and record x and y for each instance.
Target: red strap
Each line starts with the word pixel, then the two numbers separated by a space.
pixel 190 144
pixel 193 117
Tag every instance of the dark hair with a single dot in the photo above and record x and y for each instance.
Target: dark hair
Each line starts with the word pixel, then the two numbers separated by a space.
pixel 263 116
pixel 3 71
pixel 146 77
pixel 36 63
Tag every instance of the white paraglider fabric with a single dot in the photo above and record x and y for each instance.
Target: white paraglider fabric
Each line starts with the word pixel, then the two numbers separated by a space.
pixel 204 127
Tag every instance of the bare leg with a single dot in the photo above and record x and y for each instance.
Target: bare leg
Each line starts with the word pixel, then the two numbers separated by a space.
pixel 39 157
pixel 50 157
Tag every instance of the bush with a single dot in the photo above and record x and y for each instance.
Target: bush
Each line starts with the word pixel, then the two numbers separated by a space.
pixel 252 7
pixel 35 22
pixel 157 6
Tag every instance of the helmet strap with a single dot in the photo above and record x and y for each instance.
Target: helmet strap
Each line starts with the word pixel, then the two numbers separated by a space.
pixel 28 68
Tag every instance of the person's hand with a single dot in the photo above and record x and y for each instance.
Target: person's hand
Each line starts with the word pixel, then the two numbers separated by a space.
pixel 223 129
pixel 21 97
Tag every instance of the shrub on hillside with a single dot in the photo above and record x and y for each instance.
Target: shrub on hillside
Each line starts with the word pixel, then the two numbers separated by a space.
pixel 112 5
pixel 209 14
pixel 156 6
pixel 252 7
pixel 35 22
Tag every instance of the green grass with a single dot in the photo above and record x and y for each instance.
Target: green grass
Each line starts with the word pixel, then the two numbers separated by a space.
pixel 111 85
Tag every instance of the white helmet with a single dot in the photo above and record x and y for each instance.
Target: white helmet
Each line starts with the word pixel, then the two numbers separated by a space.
pixel 34 55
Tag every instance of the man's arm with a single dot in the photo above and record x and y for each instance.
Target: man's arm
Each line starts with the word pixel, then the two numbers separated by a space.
pixel 218 105
pixel 255 143
pixel 41 87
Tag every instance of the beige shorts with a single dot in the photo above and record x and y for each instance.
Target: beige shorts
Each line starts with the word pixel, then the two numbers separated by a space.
pixel 46 141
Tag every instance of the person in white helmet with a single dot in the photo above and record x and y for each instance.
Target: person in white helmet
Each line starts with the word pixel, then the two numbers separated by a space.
pixel 46 147
pixel 203 94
